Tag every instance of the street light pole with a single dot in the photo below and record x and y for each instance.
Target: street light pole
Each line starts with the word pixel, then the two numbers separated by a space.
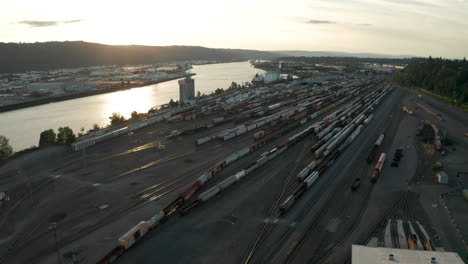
pixel 53 226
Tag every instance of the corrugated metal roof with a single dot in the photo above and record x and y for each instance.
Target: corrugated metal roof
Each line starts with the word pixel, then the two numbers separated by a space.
pixel 376 255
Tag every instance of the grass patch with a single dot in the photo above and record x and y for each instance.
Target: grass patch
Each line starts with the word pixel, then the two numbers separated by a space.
pixel 443 99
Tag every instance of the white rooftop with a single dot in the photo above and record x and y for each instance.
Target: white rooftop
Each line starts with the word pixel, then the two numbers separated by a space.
pixel 376 255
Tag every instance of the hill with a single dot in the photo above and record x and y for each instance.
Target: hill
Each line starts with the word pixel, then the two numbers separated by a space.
pixel 304 53
pixel 18 57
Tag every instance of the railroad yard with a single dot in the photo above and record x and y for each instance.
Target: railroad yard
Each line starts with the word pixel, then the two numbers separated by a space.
pixel 292 173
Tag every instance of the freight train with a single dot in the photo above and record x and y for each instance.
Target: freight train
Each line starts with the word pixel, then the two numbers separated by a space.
pixel 378 168
pixel 375 148
pixel 138 231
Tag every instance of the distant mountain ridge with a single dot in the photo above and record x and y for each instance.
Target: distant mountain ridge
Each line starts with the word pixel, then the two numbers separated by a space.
pixel 305 53
pixel 18 57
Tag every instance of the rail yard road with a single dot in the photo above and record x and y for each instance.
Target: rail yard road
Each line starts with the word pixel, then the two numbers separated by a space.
pixel 277 174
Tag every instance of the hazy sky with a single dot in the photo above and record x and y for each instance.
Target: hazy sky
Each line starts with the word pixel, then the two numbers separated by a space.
pixel 415 27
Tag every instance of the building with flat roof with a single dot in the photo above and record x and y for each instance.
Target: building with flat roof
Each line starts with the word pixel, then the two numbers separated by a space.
pixel 373 255
pixel 187 90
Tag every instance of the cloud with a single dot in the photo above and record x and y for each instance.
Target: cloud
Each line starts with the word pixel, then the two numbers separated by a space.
pixel 412 2
pixel 39 23
pixel 364 25
pixel 312 21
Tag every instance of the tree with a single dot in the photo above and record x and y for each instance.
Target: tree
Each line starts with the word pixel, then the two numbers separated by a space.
pixel 219 91
pixel 5 149
pixel 173 103
pixel 117 119
pixel 134 115
pixel 96 126
pixel 36 94
pixel 65 136
pixel 436 167
pixel 234 85
pixel 47 137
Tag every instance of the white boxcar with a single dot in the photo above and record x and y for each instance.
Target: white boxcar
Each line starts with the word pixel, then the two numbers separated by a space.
pixel 229 136
pixel 218 119
pixel 243 152
pixel 206 195
pixel 251 127
pixel 232 158
pixel 240 174
pixel 203 140
pixel 203 179
pixel 303 173
pixel 227 182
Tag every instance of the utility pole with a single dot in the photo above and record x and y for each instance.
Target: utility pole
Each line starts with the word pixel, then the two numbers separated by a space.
pixel 53 226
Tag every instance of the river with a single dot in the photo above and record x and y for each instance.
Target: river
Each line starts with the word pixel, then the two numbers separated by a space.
pixel 22 127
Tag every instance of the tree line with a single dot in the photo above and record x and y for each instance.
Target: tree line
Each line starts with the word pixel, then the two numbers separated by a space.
pixel 448 78
pixel 347 60
pixel 64 136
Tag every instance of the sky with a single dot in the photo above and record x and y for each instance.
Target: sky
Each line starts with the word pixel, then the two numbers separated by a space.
pixel 400 27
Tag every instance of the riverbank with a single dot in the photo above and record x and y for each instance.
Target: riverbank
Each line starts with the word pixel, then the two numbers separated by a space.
pixel 121 87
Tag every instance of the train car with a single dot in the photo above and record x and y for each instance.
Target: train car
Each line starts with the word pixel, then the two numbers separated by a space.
pixel 380 139
pixel 287 204
pixel 378 168
pixel 374 150
pixel 356 184
pixel 133 235
pixel 156 219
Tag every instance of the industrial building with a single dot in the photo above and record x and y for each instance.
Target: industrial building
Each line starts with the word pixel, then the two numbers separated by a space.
pixel 372 255
pixel 187 90
pixel 274 75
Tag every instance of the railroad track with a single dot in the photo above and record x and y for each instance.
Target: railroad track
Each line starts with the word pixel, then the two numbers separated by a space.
pixel 115 215
pixel 303 212
pixel 394 233
pixel 20 243
pixel 263 234
pixel 389 126
pixel 266 228
pixel 143 197
pixel 345 182
pixel 9 250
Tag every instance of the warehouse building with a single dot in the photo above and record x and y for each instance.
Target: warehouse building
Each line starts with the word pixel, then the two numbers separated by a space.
pixel 372 255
